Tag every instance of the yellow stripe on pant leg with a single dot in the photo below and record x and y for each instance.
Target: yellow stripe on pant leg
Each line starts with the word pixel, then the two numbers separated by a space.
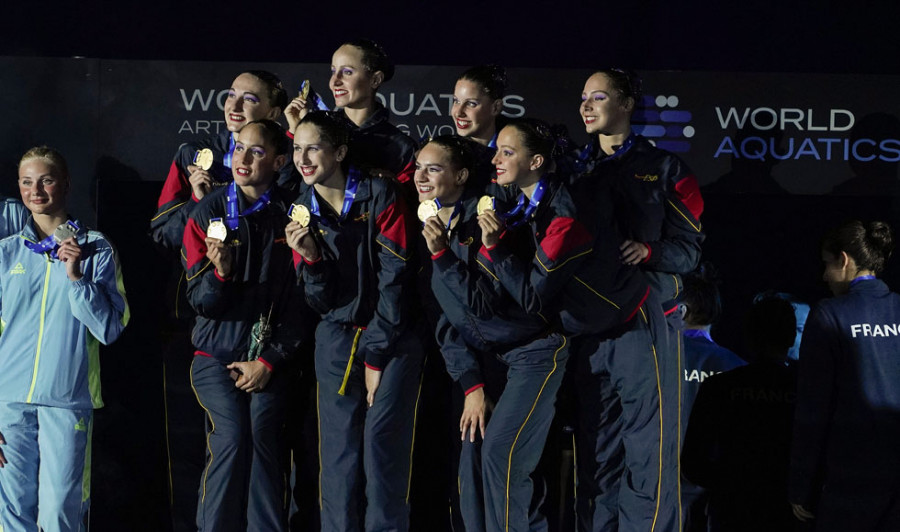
pixel 86 472
pixel 678 454
pixel 533 406
pixel 319 420
pixel 659 394
pixel 208 435
pixel 413 443
pixel 168 444
pixel 343 389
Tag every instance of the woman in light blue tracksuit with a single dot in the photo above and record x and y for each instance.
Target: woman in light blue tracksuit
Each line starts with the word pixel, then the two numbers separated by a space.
pixel 61 295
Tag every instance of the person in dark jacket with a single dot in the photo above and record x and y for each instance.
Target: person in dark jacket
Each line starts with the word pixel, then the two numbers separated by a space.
pixel 700 305
pixel 353 253
pixel 476 111
pixel 501 444
pixel 576 280
pixel 254 95
pixel 250 321
pixel 658 207
pixel 845 463
pixel 377 147
pixel 738 438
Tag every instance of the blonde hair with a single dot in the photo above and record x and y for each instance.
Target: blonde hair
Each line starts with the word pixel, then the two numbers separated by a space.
pixel 50 156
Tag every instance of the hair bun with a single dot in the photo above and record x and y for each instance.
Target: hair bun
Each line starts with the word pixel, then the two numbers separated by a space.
pixel 492 79
pixel 881 236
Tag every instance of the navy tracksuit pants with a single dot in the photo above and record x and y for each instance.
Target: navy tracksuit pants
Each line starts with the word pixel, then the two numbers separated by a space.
pixel 361 449
pixel 514 440
pixel 243 483
pixel 624 450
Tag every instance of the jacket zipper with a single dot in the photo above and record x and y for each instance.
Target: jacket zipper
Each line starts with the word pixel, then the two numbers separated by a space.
pixel 37 355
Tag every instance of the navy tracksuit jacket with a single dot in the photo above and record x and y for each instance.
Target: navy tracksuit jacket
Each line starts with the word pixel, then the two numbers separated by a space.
pixel 845 463
pixel 377 145
pixel 737 447
pixel 358 288
pixel 703 358
pixel 658 203
pixel 576 280
pixel 243 481
pixel 480 320
pixel 176 201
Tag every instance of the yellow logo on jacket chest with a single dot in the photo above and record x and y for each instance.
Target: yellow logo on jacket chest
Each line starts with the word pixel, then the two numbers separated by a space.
pixel 650 178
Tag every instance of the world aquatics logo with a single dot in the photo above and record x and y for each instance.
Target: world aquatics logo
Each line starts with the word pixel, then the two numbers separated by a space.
pixel 666 126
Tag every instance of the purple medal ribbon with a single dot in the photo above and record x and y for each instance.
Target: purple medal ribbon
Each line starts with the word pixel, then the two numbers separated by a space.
pixel 862 278
pixel 533 204
pixel 698 333
pixel 231 206
pixel 457 210
pixel 229 156
pixel 353 179
pixel 48 244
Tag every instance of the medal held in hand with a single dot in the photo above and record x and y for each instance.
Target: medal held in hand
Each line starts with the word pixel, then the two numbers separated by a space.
pixel 304 89
pixel 64 231
pixel 486 203
pixel 299 214
pixel 427 209
pixel 217 229
pixel 204 159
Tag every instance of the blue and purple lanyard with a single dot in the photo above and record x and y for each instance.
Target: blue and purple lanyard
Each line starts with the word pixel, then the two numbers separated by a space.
pixel 862 278
pixel 231 206
pixel 457 210
pixel 353 179
pixel 229 155
pixel 698 333
pixel 48 244
pixel 533 204
pixel 587 152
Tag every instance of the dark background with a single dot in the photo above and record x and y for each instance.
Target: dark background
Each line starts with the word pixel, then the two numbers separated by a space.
pixel 758 241
pixel 768 36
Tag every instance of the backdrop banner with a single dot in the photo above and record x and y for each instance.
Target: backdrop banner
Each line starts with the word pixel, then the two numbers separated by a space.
pixel 758 133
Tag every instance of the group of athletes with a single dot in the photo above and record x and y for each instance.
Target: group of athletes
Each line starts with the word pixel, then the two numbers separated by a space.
pixel 503 253
pixel 502 248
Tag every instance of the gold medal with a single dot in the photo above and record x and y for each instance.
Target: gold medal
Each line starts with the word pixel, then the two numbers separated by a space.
pixel 427 209
pixel 204 159
pixel 304 89
pixel 486 203
pixel 217 230
pixel 300 214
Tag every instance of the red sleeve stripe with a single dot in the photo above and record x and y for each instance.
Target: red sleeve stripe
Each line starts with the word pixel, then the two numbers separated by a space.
pixel 265 363
pixel 297 258
pixel 370 366
pixel 688 191
pixel 473 388
pixel 639 305
pixel 649 252
pixel 563 236
pixel 406 175
pixel 194 243
pixel 175 188
pixel 484 252
pixel 439 254
pixel 392 224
